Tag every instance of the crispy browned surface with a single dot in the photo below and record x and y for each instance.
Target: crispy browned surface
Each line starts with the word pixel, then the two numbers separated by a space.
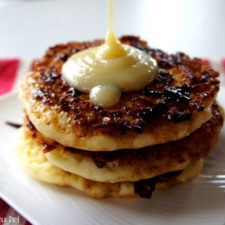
pixel 194 147
pixel 157 157
pixel 31 156
pixel 182 87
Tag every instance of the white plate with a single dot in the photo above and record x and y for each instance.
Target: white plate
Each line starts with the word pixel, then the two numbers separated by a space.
pixel 201 201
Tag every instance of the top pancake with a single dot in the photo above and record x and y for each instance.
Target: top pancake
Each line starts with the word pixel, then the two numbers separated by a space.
pixel 170 108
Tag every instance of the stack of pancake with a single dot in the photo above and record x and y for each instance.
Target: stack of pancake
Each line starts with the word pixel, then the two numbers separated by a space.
pixel 151 140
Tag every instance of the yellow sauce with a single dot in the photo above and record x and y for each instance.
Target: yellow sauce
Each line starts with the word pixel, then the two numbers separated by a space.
pixel 98 95
pixel 106 70
pixel 112 47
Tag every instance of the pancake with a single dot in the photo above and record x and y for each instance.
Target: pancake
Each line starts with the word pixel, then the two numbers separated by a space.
pixel 126 165
pixel 32 158
pixel 172 107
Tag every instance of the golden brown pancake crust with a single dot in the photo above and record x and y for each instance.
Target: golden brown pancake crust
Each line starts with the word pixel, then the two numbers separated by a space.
pixel 182 87
pixel 158 157
pixel 32 158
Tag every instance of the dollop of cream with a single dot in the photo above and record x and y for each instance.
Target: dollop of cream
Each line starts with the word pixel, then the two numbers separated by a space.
pixel 109 69
pixel 105 95
pixel 130 72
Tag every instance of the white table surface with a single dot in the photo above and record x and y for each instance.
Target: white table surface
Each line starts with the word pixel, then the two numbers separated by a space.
pixel 197 27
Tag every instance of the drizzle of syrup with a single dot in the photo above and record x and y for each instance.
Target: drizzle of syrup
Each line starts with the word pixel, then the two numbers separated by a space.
pixel 144 188
pixel 12 124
